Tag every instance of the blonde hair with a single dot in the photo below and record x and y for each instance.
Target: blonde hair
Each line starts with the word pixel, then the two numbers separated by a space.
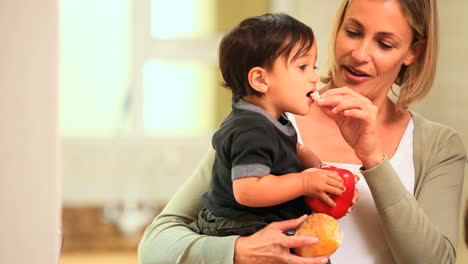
pixel 414 80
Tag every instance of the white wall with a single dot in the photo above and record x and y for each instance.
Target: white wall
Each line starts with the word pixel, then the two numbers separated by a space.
pixel 447 103
pixel 29 184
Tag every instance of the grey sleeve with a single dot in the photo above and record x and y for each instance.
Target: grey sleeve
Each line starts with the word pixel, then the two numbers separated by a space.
pixel 422 228
pixel 169 239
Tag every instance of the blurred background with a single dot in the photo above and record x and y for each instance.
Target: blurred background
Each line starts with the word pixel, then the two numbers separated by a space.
pixel 139 98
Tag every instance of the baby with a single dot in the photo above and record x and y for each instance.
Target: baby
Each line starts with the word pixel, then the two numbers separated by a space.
pixel 260 173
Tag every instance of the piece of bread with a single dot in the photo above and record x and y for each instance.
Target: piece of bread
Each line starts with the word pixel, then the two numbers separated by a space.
pixel 315 96
pixel 325 228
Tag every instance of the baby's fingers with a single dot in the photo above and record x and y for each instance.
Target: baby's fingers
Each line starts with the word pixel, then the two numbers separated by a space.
pixel 327 200
pixel 335 180
pixel 333 175
pixel 336 184
pixel 334 190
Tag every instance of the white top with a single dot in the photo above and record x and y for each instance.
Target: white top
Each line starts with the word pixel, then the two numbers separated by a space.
pixel 363 241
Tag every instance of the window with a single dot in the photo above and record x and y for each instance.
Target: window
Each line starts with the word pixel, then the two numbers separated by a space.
pixel 140 93
pixel 94 66
pixel 144 67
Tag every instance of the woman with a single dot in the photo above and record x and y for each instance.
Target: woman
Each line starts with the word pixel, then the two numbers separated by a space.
pixel 412 168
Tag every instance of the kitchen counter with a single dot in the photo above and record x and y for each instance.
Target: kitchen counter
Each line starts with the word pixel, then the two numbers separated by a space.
pixel 105 257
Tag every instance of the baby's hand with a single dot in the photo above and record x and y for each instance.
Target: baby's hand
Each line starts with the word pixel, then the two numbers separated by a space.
pixel 319 183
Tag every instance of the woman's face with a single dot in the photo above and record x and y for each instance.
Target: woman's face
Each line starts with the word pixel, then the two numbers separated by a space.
pixel 371 46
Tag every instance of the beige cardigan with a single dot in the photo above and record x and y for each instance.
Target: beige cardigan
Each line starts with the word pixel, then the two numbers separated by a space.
pixel 418 229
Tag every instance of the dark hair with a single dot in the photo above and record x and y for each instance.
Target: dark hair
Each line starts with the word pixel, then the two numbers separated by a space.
pixel 257 42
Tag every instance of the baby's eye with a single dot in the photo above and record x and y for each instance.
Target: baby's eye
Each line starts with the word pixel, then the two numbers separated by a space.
pixel 303 66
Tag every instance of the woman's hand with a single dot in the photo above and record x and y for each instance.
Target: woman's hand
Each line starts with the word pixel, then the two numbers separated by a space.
pixel 356 194
pixel 356 117
pixel 270 245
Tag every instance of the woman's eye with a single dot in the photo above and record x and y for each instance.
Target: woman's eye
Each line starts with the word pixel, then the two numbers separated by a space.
pixel 351 33
pixel 385 45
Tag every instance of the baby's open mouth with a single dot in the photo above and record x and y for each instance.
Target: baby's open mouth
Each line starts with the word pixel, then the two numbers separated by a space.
pixel 314 95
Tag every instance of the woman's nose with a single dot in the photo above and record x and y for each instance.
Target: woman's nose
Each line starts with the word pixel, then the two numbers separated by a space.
pixel 361 53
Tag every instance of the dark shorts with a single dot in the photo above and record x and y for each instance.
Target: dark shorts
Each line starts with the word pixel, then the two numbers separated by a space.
pixel 244 225
pixel 211 225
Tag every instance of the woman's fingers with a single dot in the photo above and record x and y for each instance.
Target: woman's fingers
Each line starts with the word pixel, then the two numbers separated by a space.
pixel 355 199
pixel 355 116
pixel 298 241
pixel 301 241
pixel 356 194
pixel 339 91
pixel 342 99
pixel 356 178
pixel 270 245
pixel 353 103
pixel 359 105
pixel 287 225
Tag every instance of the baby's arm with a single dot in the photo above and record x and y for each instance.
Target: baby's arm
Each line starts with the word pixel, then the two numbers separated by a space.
pixel 263 189
pixel 271 190
pixel 307 157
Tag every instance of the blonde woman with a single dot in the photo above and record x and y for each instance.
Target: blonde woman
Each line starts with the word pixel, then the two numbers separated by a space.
pixel 412 168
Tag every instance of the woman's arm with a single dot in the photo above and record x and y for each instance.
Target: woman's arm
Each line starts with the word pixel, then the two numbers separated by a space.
pixel 169 240
pixel 422 228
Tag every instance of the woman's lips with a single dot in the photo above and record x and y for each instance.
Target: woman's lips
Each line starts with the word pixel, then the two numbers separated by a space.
pixel 355 76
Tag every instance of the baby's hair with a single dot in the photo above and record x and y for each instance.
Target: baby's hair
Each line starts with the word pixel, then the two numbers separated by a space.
pixel 257 42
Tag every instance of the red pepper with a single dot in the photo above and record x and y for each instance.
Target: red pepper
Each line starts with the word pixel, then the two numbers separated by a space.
pixel 343 202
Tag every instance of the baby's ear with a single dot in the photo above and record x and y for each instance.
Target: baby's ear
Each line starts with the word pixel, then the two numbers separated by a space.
pixel 257 79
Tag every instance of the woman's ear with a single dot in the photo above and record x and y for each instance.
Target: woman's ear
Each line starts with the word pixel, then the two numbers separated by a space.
pixel 258 79
pixel 416 50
